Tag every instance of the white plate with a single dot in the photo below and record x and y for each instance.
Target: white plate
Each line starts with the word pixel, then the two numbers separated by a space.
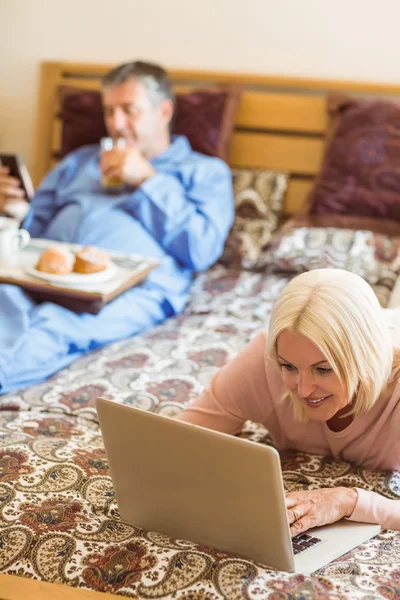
pixel 74 278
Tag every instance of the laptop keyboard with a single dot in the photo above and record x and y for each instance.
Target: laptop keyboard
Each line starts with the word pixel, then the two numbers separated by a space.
pixel 303 542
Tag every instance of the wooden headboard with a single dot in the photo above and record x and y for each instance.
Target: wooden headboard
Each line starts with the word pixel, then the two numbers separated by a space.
pixel 281 122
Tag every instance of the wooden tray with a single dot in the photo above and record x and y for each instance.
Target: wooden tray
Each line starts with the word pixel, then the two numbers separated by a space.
pixel 131 269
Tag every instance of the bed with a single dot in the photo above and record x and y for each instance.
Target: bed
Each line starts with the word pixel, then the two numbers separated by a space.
pixel 58 518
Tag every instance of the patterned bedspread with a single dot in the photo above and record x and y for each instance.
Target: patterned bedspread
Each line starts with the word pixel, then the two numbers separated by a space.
pixel 58 517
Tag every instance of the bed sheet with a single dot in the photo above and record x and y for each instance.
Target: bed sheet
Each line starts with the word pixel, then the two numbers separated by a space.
pixel 58 516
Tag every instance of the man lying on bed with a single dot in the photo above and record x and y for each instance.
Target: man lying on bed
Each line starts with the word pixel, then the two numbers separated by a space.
pixel 177 207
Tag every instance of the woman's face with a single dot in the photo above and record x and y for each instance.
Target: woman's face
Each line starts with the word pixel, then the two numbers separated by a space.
pixel 310 377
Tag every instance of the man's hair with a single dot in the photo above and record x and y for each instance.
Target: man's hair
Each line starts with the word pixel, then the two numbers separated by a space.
pixel 153 77
pixel 339 312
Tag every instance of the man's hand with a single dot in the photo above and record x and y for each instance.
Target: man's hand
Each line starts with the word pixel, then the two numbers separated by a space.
pixel 319 507
pixel 12 197
pixel 126 164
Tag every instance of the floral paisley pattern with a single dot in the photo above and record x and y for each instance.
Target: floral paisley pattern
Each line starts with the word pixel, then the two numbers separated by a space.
pixel 259 195
pixel 129 361
pixel 12 465
pixel 83 397
pixel 92 461
pixel 373 256
pixel 51 428
pixel 171 389
pixel 58 515
pixel 53 515
pixel 118 567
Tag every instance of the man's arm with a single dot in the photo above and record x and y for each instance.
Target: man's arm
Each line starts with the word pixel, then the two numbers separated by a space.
pixel 44 203
pixel 190 224
pixel 43 206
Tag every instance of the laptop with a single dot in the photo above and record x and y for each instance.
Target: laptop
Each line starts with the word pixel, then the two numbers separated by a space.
pixel 213 489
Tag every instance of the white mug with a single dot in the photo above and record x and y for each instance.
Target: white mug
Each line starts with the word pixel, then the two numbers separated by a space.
pixel 12 240
pixel 8 223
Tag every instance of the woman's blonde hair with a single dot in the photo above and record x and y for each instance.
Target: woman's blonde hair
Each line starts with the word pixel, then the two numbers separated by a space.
pixel 339 312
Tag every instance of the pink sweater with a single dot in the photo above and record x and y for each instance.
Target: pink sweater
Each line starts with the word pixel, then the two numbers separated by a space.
pixel 250 387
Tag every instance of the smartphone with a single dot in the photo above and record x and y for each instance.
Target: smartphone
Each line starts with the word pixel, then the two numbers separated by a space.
pixel 18 169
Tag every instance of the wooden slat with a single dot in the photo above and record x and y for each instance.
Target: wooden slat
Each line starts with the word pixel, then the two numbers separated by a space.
pixel 284 112
pixel 294 154
pixel 299 83
pixel 250 79
pixel 279 112
pixel 88 84
pixel 296 195
pixel 21 588
pixel 44 123
pixel 90 69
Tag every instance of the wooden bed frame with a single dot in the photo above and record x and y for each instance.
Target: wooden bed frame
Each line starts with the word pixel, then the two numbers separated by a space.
pixel 23 588
pixel 281 122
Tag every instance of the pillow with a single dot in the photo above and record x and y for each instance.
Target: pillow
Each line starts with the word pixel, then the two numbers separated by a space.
pixel 375 257
pixel 206 117
pixel 259 197
pixel 360 173
pixel 82 120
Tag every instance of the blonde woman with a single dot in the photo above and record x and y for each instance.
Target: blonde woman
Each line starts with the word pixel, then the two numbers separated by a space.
pixel 325 380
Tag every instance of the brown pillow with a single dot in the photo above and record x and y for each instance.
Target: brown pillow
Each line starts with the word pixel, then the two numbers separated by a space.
pixel 81 113
pixel 206 117
pixel 360 174
pixel 259 197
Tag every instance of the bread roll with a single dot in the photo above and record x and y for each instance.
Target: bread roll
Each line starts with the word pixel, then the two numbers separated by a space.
pixel 91 260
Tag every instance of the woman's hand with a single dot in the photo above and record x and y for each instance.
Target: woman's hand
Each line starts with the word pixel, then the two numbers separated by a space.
pixel 319 507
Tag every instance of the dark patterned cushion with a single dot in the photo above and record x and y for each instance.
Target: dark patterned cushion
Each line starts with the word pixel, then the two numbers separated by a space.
pixel 375 257
pixel 81 113
pixel 360 174
pixel 259 197
pixel 205 117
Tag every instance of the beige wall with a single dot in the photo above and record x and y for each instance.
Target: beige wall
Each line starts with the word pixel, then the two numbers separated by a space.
pixel 350 39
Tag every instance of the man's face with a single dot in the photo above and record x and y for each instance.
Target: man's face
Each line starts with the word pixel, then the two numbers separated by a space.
pixel 129 113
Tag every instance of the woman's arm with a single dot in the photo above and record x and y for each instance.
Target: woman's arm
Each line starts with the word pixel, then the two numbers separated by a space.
pixel 374 508
pixel 237 393
pixel 315 508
